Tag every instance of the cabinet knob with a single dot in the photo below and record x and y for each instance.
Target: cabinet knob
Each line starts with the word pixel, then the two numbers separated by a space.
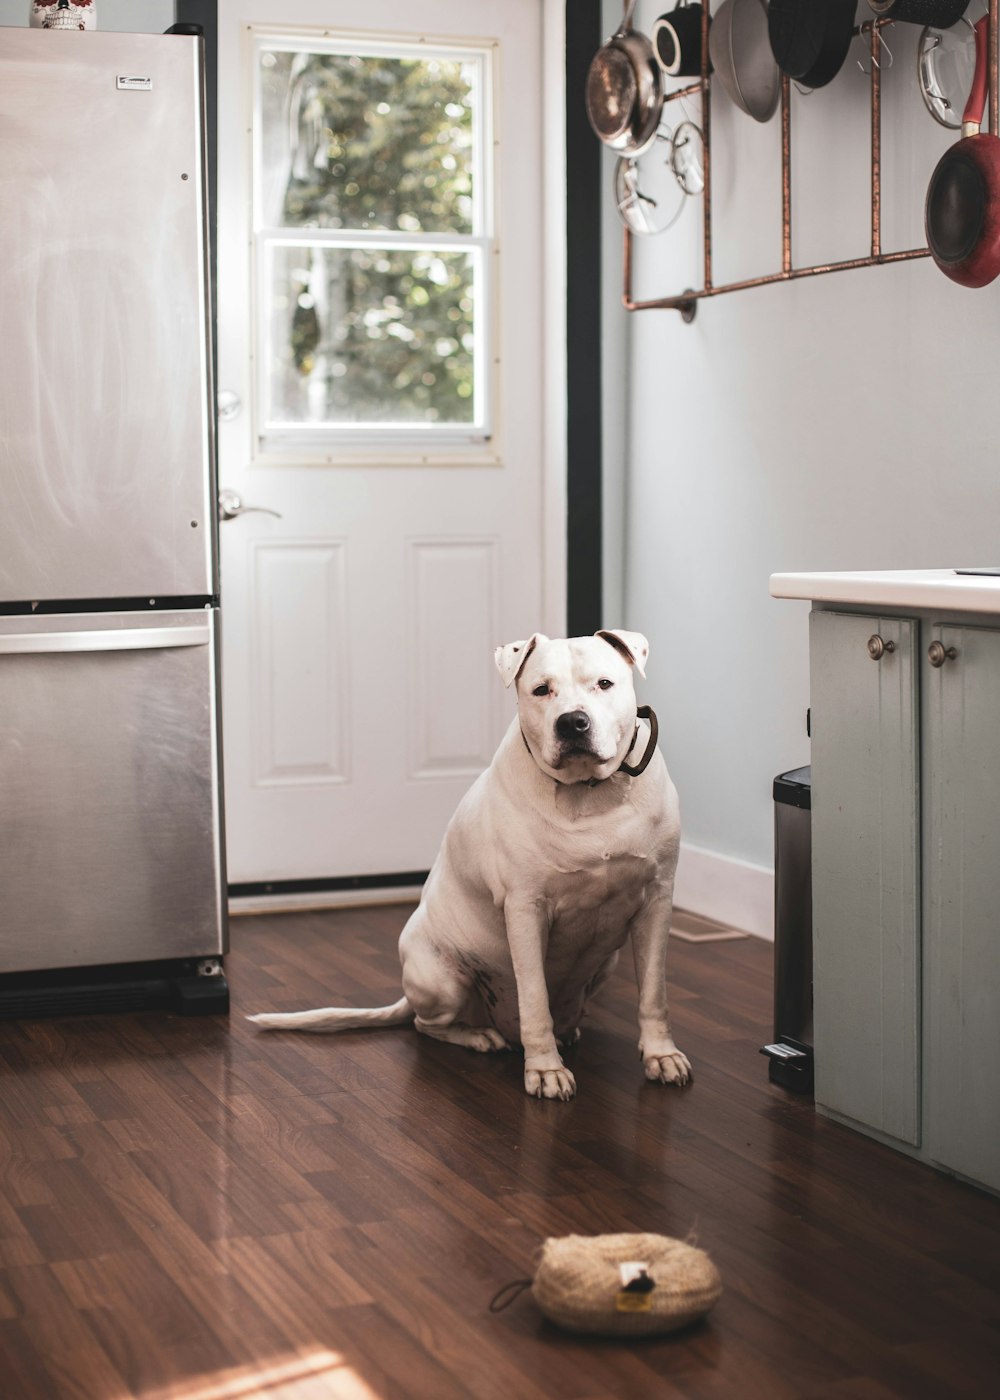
pixel 877 647
pixel 938 653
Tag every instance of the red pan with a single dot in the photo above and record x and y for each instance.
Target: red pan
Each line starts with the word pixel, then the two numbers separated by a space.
pixel 962 213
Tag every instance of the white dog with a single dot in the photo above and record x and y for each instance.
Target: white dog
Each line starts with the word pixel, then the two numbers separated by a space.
pixel 564 847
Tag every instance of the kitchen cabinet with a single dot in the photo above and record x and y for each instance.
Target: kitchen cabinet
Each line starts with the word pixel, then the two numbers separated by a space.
pixel 866 899
pixel 961 943
pixel 906 873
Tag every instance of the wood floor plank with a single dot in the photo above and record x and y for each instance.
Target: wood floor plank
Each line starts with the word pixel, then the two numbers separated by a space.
pixel 23 1372
pixel 76 1365
pixel 140 1317
pixel 186 1205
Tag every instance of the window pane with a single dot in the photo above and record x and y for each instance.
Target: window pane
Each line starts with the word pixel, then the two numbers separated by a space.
pixel 361 335
pixel 367 142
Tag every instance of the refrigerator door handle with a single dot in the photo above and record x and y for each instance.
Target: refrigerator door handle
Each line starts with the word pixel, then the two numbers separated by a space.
pixel 111 639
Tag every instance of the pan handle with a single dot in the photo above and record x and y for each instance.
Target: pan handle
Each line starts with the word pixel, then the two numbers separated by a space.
pixel 972 117
pixel 626 25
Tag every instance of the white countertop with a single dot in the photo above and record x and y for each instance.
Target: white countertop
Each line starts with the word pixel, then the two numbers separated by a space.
pixel 897 588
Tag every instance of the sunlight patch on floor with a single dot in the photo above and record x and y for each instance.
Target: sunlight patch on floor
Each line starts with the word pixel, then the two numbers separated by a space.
pixel 316 1375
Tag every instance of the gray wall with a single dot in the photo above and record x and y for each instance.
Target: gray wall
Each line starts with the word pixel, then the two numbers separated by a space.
pixel 843 422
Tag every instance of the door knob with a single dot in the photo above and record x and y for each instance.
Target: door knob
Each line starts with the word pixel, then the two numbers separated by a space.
pixel 877 647
pixel 938 653
pixel 231 505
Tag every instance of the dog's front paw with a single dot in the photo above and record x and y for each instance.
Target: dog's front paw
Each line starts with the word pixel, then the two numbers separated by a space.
pixel 549 1083
pixel 670 1067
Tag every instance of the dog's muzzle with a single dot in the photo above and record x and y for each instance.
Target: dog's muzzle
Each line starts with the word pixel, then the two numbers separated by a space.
pixel 575 736
pixel 573 728
pixel 633 770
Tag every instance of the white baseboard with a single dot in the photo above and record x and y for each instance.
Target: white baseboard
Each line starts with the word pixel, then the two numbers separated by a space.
pixel 729 891
pixel 321 899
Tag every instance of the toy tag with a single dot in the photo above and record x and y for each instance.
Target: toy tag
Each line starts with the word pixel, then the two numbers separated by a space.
pixel 636 1293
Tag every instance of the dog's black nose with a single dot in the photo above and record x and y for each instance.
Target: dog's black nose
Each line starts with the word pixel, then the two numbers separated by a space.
pixel 572 724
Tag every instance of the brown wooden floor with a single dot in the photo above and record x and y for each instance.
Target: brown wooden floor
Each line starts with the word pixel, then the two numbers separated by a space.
pixel 195 1209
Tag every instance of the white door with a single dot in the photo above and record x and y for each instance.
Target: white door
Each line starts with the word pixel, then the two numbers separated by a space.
pixel 382 260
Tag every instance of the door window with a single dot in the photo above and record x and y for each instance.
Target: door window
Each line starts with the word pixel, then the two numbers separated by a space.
pixel 372 217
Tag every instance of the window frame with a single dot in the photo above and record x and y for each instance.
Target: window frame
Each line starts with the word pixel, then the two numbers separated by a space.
pixel 403 443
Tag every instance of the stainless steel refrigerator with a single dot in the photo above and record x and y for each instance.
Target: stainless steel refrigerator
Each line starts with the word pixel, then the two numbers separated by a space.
pixel 112 879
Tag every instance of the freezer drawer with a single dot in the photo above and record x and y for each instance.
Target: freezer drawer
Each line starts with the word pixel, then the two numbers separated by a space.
pixel 110 807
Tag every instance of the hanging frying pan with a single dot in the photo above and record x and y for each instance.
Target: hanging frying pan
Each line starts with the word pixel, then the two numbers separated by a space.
pixel 942 14
pixel 624 94
pixel 810 38
pixel 676 39
pixel 742 57
pixel 962 213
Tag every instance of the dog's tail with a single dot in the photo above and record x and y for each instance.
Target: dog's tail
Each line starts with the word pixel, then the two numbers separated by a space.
pixel 336 1018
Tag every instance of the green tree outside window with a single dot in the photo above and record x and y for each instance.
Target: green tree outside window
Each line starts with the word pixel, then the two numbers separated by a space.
pixel 363 328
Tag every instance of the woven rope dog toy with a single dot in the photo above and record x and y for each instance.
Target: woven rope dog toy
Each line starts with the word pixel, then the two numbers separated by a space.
pixel 620 1285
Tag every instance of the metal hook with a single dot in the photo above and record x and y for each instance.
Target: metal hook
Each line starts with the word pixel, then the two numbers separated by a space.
pixel 631 182
pixel 881 39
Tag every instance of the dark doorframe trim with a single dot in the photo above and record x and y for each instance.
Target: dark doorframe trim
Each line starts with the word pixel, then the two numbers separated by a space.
pixel 584 602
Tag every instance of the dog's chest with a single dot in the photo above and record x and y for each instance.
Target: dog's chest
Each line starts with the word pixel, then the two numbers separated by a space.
pixel 612 880
pixel 601 857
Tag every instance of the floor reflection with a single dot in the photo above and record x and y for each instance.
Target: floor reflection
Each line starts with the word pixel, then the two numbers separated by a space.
pixel 318 1375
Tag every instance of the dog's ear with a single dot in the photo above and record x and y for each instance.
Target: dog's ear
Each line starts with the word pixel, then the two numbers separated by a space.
pixel 511 658
pixel 632 645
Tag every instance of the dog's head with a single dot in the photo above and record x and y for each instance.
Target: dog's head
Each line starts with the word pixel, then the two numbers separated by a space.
pixel 576 700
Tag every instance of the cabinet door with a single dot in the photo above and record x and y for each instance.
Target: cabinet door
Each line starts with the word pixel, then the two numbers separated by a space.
pixel 961 703
pixel 866 870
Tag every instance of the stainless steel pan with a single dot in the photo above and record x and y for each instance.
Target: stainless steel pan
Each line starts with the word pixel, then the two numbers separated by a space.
pixel 625 89
pixel 741 56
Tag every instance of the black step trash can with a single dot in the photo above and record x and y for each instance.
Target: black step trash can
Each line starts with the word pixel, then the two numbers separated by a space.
pixel 790 1056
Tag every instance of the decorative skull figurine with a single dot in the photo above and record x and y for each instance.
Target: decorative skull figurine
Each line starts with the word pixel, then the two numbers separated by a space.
pixel 63 14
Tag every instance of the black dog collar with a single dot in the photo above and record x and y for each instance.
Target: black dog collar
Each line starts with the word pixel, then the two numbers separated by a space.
pixel 643 712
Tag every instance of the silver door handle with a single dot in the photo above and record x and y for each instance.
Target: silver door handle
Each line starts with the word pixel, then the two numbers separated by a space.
pixel 231 505
pixel 113 639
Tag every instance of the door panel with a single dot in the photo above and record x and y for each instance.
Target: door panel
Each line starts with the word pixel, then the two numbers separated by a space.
pixel 456 580
pixel 298 655
pixel 962 876
pixel 865 871
pixel 360 693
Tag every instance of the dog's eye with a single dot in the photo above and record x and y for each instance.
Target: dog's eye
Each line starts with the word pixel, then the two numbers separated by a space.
pixel 540 690
pixel 604 683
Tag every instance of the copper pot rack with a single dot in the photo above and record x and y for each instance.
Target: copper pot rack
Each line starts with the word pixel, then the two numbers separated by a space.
pixel 686 302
